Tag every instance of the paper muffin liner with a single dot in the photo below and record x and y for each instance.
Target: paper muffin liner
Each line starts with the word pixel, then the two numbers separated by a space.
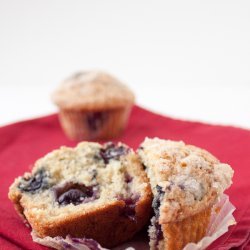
pixel 221 219
pixel 98 124
pixel 67 243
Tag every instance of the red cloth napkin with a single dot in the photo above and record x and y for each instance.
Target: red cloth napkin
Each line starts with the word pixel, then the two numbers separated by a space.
pixel 24 142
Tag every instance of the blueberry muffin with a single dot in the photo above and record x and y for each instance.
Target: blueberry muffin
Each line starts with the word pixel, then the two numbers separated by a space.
pixel 186 182
pixel 93 105
pixel 91 191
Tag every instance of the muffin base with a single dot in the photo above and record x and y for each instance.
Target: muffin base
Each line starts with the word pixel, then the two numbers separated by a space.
pixel 89 125
pixel 99 224
pixel 176 235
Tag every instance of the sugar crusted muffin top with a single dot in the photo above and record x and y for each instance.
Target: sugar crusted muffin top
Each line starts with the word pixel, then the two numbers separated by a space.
pixel 184 179
pixel 92 90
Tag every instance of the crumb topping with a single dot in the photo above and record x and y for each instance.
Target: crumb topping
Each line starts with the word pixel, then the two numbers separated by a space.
pixel 191 178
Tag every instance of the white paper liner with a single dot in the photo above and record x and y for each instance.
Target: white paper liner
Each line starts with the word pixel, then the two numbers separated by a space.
pixel 221 218
pixel 61 243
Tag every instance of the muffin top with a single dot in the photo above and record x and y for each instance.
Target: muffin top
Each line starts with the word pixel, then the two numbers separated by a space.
pixel 185 178
pixel 92 90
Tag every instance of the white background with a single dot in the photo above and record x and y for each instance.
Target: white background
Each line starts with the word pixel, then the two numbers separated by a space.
pixel 186 59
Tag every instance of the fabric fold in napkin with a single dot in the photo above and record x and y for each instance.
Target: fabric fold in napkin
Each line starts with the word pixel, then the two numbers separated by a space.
pixel 24 142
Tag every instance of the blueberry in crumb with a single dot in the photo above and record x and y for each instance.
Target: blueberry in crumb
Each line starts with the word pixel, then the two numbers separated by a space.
pixel 74 196
pixel 74 193
pixel 95 120
pixel 112 151
pixel 129 208
pixel 159 233
pixel 157 200
pixel 128 178
pixel 156 206
pixel 35 182
pixel 159 189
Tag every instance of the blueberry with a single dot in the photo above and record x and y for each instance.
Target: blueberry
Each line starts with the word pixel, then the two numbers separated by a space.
pixel 156 206
pixel 129 208
pixel 73 196
pixel 111 151
pixel 96 119
pixel 34 183
pixel 158 232
pixel 75 193
pixel 159 189
pixel 157 200
pixel 128 178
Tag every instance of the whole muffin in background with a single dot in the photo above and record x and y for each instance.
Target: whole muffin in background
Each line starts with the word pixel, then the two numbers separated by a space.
pixel 93 105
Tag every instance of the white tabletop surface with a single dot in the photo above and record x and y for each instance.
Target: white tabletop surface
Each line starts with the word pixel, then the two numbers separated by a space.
pixel 185 59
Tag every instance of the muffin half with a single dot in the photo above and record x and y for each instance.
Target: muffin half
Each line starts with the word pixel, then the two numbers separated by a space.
pixel 90 191
pixel 186 182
